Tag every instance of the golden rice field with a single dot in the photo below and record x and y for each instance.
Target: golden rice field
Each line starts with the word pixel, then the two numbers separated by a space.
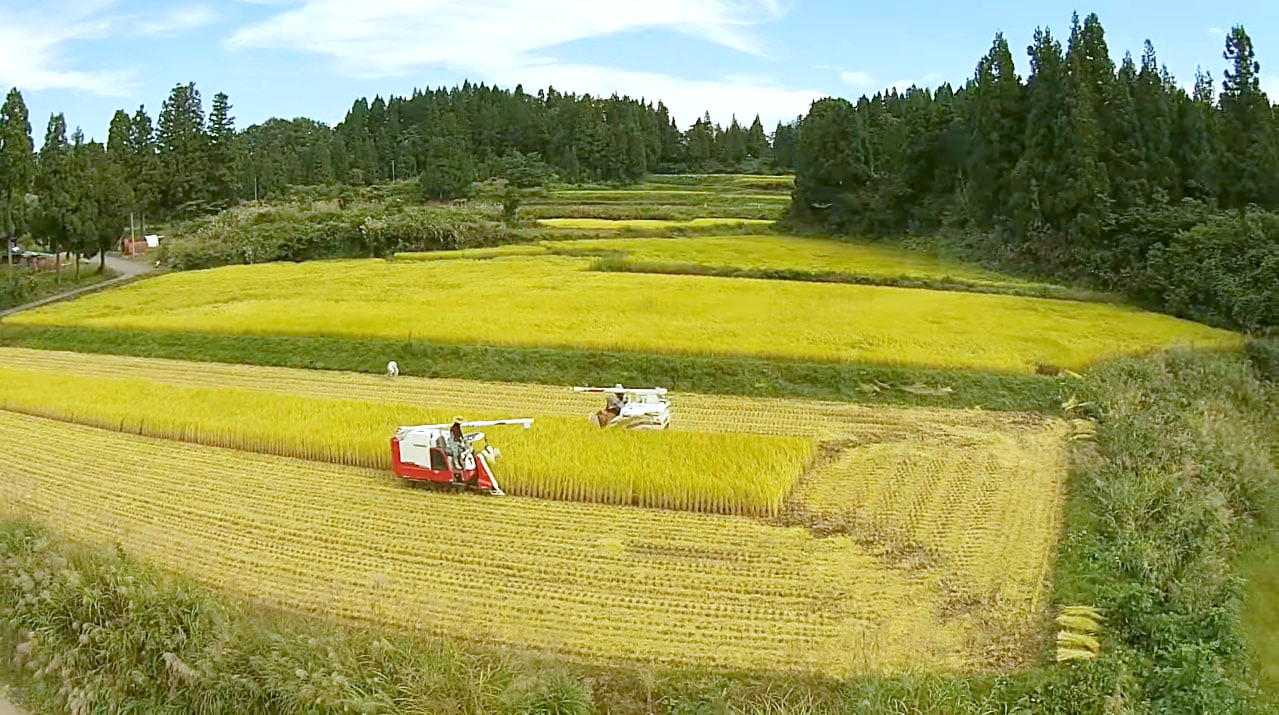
pixel 555 301
pixel 794 253
pixel 663 194
pixel 585 581
pixel 600 224
pixel 560 458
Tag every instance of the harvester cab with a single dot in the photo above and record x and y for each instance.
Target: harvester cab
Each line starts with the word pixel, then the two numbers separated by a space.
pixel 631 407
pixel 447 454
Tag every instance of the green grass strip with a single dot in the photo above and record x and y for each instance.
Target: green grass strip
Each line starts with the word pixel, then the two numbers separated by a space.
pixel 1027 290
pixel 707 374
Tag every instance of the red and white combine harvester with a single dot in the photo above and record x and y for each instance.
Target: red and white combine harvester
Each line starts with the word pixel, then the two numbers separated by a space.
pixel 448 455
pixel 632 407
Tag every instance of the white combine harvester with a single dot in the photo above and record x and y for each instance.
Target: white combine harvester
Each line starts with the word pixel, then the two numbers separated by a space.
pixel 632 407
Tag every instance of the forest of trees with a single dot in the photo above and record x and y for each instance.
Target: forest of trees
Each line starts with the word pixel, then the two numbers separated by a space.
pixel 1113 176
pixel 77 196
pixel 184 163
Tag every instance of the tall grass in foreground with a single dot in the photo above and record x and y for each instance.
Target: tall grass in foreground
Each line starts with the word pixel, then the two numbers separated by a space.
pixel 1183 476
pixel 91 631
pixel 559 458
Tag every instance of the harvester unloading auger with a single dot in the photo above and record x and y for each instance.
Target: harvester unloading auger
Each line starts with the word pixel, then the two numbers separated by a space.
pixel 446 454
pixel 632 407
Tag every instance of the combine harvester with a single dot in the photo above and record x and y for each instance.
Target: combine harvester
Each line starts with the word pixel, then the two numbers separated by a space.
pixel 447 455
pixel 632 407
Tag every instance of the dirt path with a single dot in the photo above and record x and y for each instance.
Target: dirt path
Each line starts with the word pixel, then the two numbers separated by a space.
pixel 126 269
pixel 8 708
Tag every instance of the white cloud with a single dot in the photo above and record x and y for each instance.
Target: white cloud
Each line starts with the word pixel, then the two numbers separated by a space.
pixel 510 42
pixel 856 78
pixel 175 20
pixel 1217 32
pixel 33 47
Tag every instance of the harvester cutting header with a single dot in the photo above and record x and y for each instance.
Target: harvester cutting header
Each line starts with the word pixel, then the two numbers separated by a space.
pixel 632 407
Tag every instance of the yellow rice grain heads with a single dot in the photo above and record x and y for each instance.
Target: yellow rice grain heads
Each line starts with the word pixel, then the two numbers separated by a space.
pixel 1076 639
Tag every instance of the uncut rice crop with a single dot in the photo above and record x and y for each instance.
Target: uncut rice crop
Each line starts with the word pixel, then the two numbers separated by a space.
pixel 690 412
pixel 600 224
pixel 772 252
pixel 559 458
pixel 585 582
pixel 556 301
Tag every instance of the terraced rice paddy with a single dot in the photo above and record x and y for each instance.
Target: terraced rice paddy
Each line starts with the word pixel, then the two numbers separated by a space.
pixel 934 559
pixel 780 253
pixel 670 198
pixel 597 224
pixel 556 301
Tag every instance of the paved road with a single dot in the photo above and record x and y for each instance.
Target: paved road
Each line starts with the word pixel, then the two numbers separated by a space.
pixel 127 269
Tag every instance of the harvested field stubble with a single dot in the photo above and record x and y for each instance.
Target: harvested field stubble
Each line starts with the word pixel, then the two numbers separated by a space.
pixel 589 582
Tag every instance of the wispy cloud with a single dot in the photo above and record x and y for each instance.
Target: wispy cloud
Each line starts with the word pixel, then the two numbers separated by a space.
pixel 176 19
pixel 33 47
pixel 36 43
pixel 391 37
pixel 1217 32
pixel 513 41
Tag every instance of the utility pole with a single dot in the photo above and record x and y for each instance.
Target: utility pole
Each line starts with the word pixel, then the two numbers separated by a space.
pixel 8 241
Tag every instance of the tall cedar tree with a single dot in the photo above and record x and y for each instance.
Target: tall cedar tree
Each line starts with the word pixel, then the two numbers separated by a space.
pixel 1249 163
pixel 183 150
pixel 221 151
pixel 57 188
pixel 143 167
pixel 997 115
pixel 17 163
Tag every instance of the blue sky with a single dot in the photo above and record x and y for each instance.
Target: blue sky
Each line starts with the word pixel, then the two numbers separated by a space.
pixel 311 58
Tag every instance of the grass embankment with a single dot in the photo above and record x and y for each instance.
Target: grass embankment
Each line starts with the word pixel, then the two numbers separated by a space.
pixel 715 375
pixel 1261 564
pixel 597 224
pixel 23 286
pixel 812 259
pixel 554 302
pixel 1157 515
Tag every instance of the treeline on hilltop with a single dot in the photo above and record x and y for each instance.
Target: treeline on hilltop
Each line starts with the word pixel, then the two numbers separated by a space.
pixel 1113 176
pixel 183 163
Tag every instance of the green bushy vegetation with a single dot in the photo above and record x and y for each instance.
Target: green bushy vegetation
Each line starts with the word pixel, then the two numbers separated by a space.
pixel 23 286
pixel 299 233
